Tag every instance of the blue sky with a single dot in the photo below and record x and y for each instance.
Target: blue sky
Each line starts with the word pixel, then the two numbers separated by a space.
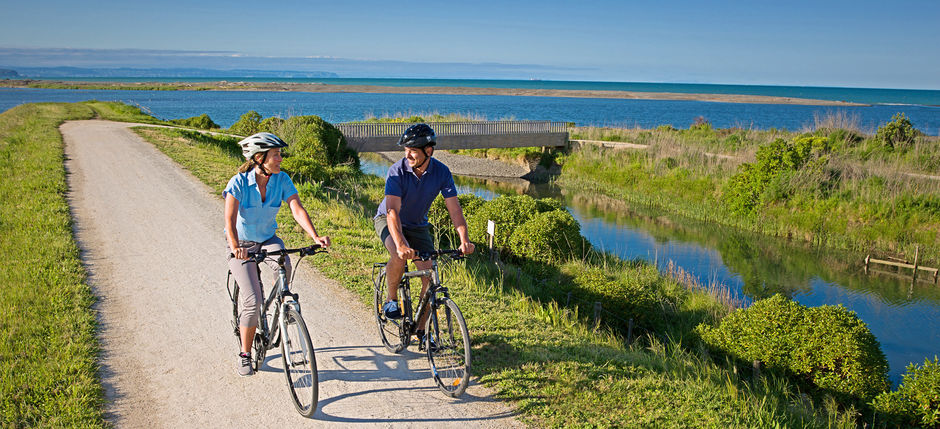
pixel 828 43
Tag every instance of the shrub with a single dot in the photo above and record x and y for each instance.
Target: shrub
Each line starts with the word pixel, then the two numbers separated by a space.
pixel 548 237
pixel 440 218
pixel 917 400
pixel 202 122
pixel 827 346
pixel 312 138
pixel 548 204
pixel 626 300
pixel 247 124
pixel 271 125
pixel 898 132
pixel 508 212
pixel 316 149
pixel 747 189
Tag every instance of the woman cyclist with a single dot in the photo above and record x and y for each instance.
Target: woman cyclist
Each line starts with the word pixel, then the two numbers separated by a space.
pixel 252 200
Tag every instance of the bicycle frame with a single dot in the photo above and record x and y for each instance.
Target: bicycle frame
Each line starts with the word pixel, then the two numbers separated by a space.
pixel 428 300
pixel 278 293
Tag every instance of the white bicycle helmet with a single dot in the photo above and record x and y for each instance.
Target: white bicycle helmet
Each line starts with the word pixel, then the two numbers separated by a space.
pixel 260 142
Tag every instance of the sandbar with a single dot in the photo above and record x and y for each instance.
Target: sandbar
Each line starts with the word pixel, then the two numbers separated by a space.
pixel 448 90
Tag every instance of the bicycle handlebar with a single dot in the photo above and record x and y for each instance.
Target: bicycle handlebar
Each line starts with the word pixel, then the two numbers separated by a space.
pixel 263 254
pixel 427 256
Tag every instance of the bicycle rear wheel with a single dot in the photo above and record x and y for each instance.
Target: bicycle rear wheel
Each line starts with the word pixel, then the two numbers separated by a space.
pixel 300 364
pixel 389 329
pixel 448 348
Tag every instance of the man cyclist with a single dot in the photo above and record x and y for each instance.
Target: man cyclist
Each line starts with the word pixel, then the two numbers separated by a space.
pixel 401 221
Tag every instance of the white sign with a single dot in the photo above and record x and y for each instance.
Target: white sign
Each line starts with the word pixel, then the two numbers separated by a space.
pixel 490 227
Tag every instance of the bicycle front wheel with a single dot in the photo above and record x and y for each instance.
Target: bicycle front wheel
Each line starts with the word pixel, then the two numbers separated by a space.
pixel 300 364
pixel 389 329
pixel 448 348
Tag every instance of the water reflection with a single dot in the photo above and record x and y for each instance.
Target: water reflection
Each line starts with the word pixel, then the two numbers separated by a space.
pixel 904 317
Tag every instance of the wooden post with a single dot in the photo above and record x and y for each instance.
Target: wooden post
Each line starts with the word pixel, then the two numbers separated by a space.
pixel 916 260
pixel 756 366
pixel 597 314
pixel 568 302
pixel 630 331
pixel 867 261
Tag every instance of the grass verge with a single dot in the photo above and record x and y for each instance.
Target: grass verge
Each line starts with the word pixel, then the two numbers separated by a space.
pixel 48 347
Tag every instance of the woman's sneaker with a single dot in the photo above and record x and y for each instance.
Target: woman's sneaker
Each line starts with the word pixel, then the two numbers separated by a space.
pixel 420 335
pixel 391 310
pixel 243 365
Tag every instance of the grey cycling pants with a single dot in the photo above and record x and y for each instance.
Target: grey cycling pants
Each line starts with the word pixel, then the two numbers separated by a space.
pixel 250 297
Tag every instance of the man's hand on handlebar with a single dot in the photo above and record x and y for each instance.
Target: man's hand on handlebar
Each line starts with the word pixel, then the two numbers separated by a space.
pixel 405 252
pixel 467 248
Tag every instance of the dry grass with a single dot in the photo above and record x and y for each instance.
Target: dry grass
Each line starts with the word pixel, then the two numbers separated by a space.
pixel 834 120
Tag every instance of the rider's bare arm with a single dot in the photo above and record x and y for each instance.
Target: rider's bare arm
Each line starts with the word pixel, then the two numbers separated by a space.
pixel 231 215
pixel 393 204
pixel 460 224
pixel 303 219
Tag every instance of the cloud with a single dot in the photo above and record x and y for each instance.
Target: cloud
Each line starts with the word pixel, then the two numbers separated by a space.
pixel 230 60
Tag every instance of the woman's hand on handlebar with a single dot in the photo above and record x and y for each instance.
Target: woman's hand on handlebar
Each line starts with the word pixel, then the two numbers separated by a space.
pixel 240 253
pixel 322 240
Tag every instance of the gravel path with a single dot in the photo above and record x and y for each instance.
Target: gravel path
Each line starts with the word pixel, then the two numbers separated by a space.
pixel 151 237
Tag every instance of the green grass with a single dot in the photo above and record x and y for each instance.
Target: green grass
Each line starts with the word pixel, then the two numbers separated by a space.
pixel 48 347
pixel 542 356
pixel 856 198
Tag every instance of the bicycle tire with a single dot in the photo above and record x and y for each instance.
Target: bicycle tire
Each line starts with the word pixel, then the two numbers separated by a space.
pixel 235 324
pixel 300 363
pixel 450 356
pixel 390 331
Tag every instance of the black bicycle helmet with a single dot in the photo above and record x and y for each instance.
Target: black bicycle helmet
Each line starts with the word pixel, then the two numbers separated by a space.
pixel 418 136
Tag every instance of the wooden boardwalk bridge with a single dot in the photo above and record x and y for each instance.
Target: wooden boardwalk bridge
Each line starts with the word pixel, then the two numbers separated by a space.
pixel 383 137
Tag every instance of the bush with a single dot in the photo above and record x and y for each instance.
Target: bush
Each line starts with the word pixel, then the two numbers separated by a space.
pixel 247 124
pixel 548 237
pixel 271 125
pixel 747 189
pixel 898 132
pixel 507 211
pixel 626 300
pixel 917 400
pixel 202 122
pixel 548 204
pixel 439 218
pixel 313 139
pixel 828 346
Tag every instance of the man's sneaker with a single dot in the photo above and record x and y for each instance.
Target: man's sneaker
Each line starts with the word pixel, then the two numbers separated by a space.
pixel 391 310
pixel 243 365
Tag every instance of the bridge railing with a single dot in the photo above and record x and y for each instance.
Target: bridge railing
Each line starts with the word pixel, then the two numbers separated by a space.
pixel 455 128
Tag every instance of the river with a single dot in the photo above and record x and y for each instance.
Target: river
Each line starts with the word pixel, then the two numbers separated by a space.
pixel 904 317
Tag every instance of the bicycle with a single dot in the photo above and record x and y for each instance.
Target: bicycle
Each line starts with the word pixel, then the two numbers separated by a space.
pixel 446 341
pixel 283 322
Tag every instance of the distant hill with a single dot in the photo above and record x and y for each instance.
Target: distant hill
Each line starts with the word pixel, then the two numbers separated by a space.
pixel 61 72
pixel 8 74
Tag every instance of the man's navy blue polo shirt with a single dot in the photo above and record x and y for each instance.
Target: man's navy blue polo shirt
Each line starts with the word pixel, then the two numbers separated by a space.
pixel 417 194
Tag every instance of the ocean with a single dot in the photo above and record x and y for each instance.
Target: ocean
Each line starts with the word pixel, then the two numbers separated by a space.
pixel 224 107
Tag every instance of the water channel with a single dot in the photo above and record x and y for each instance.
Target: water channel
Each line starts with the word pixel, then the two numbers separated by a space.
pixel 904 317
